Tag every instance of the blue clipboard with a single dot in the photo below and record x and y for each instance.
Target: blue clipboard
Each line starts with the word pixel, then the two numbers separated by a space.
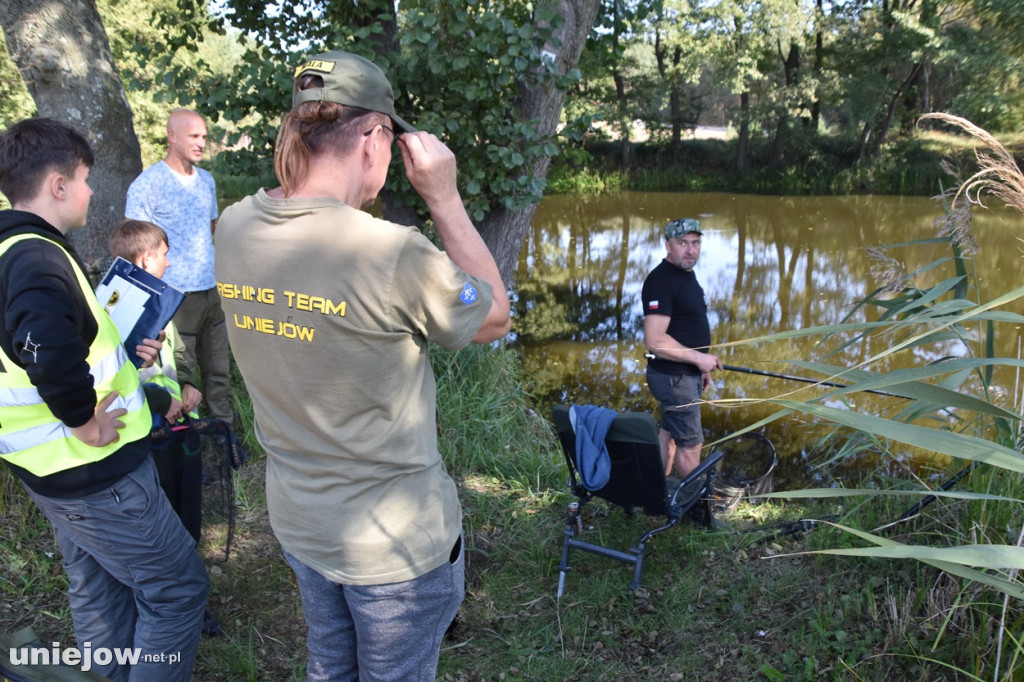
pixel 139 303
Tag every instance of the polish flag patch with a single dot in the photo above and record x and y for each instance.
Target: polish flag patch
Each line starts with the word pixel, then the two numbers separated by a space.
pixel 653 305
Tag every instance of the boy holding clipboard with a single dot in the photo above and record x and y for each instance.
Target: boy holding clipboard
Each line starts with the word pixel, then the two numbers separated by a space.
pixel 74 422
pixel 170 387
pixel 145 245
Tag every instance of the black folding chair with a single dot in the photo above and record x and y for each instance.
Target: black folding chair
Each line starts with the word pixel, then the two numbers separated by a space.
pixel 637 480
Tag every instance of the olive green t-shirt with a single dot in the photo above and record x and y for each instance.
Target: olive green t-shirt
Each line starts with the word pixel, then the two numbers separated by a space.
pixel 329 311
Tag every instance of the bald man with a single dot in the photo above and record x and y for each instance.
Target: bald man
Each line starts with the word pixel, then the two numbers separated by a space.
pixel 182 199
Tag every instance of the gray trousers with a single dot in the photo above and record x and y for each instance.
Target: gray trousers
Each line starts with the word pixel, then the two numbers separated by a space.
pixel 136 580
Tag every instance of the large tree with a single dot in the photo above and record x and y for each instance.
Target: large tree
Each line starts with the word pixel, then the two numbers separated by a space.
pixel 488 77
pixel 61 50
pixel 540 100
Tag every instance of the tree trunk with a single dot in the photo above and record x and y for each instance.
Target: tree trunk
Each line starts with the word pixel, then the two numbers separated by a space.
pixel 791 71
pixel 779 141
pixel 675 115
pixel 892 107
pixel 624 123
pixel 62 52
pixel 676 104
pixel 505 230
pixel 621 104
pixel 743 140
pixel 863 141
pixel 926 90
pixel 819 60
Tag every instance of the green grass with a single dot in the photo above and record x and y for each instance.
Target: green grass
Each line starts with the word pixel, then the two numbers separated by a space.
pixel 713 606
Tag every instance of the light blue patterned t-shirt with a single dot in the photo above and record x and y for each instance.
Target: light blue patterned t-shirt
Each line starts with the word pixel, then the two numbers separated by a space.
pixel 184 206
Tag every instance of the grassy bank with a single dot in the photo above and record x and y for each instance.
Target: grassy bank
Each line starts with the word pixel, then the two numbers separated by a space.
pixel 714 606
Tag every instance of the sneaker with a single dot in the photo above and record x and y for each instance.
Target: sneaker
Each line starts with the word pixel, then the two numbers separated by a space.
pixel 211 625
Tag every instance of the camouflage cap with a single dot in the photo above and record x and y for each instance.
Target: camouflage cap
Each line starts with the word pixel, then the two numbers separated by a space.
pixel 677 228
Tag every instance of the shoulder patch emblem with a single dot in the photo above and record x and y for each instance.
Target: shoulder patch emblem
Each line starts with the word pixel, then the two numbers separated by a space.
pixel 469 294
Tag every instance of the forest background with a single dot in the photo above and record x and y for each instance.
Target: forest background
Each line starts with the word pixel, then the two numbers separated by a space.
pixel 811 96
pixel 578 95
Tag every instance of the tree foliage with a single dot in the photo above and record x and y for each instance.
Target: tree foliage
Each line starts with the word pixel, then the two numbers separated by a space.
pixel 457 70
pixel 167 52
pixel 468 73
pixel 490 78
pixel 790 70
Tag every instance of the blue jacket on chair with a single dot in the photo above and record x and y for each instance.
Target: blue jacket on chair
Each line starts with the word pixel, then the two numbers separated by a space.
pixel 591 424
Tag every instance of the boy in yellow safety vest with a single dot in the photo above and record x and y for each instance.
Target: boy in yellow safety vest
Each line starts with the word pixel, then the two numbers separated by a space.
pixel 169 383
pixel 74 425
pixel 170 389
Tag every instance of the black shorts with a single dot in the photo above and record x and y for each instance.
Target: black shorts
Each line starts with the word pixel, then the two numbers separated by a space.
pixel 679 395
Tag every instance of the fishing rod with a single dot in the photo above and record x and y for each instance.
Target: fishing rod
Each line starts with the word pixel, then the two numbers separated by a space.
pixel 789 528
pixel 807 525
pixel 928 499
pixel 806 380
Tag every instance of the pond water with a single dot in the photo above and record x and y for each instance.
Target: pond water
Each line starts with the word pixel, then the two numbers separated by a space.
pixel 767 264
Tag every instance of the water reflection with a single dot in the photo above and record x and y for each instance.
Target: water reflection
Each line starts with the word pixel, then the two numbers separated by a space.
pixel 768 264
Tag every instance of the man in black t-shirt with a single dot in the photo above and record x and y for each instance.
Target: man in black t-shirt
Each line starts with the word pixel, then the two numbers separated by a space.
pixel 677 334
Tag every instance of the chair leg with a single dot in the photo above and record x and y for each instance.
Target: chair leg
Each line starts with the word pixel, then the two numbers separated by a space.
pixel 572 524
pixel 563 565
pixel 709 517
pixel 634 556
pixel 638 567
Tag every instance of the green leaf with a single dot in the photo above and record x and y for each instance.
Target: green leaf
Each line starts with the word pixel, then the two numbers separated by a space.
pixel 822 493
pixel 956 445
pixel 910 382
pixel 977 555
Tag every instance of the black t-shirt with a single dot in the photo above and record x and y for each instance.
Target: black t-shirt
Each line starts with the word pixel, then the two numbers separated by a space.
pixel 672 291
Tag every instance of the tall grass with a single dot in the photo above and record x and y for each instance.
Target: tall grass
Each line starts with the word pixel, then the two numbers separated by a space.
pixel 712 606
pixel 973 534
pixel 486 426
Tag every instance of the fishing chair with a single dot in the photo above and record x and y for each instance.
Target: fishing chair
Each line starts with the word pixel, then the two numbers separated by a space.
pixel 637 479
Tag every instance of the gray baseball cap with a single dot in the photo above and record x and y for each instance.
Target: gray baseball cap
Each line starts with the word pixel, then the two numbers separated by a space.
pixel 350 80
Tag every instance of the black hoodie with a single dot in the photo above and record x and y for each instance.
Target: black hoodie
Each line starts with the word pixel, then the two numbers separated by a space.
pixel 47 329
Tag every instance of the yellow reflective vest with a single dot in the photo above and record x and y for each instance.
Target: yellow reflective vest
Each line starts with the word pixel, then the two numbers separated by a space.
pixel 31 437
pixel 165 374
